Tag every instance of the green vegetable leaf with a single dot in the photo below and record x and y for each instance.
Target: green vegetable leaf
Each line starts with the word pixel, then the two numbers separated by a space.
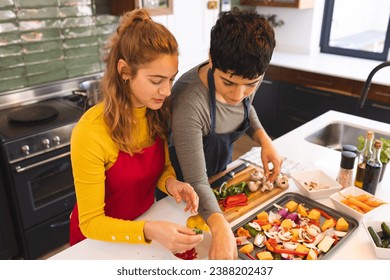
pixel 385 152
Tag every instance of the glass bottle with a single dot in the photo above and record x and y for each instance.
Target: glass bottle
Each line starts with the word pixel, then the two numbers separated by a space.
pixel 373 170
pixel 347 164
pixel 364 155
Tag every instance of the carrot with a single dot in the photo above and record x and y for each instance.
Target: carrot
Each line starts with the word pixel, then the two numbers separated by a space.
pixel 362 197
pixel 373 203
pixel 354 207
pixel 345 201
pixel 365 208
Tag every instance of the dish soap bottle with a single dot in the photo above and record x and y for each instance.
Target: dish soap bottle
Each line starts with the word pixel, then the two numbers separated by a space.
pixel 364 155
pixel 373 170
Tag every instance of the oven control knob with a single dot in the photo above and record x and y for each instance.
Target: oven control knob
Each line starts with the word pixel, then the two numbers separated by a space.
pixel 46 142
pixel 57 140
pixel 26 149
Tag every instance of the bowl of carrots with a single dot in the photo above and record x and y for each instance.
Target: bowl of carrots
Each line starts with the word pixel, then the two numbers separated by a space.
pixel 357 203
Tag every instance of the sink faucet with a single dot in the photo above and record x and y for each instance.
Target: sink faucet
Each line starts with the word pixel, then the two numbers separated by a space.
pixel 367 84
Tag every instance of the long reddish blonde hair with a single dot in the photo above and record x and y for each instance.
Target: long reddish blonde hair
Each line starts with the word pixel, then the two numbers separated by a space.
pixel 138 40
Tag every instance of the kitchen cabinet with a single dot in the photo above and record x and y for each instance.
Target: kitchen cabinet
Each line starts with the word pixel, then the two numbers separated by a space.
pixel 300 104
pixel 8 247
pixel 299 4
pixel 319 81
pixel 289 98
pixel 377 105
pixel 266 102
pixel 375 110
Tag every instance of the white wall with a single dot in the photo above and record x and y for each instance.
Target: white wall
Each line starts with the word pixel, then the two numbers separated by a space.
pixel 301 30
pixel 191 23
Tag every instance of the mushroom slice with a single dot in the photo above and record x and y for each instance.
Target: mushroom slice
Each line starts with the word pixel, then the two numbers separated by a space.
pixel 255 225
pixel 312 231
pixel 290 245
pixel 340 233
pixel 259 240
pixel 285 236
pixel 270 234
pixel 242 240
pixel 315 227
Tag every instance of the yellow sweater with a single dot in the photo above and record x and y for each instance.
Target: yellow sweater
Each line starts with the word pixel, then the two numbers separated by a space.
pixel 92 153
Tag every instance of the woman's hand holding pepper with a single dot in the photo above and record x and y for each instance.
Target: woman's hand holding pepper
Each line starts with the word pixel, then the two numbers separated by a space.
pixel 183 191
pixel 172 236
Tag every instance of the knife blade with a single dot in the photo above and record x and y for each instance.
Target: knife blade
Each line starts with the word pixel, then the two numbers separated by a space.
pixel 230 175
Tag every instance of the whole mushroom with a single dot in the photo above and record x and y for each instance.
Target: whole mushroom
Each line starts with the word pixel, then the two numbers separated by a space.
pixel 254 185
pixel 281 181
pixel 257 175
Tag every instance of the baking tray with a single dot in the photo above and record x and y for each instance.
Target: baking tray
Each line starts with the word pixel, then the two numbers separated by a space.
pixel 309 203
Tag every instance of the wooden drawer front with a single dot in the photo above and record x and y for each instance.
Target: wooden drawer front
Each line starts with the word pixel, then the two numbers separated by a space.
pixel 319 81
pixel 300 4
pixel 377 92
pixel 273 73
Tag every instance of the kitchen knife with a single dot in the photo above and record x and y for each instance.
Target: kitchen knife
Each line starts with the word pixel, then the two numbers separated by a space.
pixel 228 176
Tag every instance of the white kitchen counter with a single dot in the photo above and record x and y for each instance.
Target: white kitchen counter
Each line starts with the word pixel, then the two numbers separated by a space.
pixel 293 146
pixel 333 65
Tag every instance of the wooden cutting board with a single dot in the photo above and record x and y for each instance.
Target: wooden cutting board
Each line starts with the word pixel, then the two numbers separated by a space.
pixel 254 199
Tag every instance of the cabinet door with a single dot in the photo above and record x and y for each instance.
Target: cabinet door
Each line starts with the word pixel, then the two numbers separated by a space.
pixel 266 103
pixel 8 247
pixel 301 104
pixel 375 110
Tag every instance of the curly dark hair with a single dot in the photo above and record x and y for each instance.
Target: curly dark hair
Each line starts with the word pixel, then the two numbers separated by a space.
pixel 242 43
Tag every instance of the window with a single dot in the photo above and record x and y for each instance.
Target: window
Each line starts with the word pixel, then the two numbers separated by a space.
pixel 356 28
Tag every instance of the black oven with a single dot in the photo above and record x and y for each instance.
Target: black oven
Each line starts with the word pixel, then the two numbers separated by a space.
pixel 40 184
pixel 43 186
pixel 35 163
pixel 8 246
pixel 43 193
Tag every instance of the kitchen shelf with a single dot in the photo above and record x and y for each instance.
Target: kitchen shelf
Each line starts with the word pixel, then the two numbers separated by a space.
pixel 298 4
pixel 118 7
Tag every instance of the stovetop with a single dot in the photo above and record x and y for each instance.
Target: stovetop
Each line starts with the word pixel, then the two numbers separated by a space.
pixel 25 138
pixel 39 119
pixel 11 129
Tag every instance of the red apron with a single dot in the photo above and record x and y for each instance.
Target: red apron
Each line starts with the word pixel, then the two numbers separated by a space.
pixel 129 186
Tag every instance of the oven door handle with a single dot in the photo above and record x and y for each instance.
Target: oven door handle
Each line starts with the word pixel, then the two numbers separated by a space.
pixel 20 169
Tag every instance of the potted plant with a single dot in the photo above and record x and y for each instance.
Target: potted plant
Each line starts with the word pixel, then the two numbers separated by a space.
pixel 385 152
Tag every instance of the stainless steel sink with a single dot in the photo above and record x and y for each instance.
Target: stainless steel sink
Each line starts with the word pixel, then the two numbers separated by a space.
pixel 335 135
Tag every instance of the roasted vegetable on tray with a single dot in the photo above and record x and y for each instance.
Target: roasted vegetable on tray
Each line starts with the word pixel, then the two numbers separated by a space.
pixel 291 231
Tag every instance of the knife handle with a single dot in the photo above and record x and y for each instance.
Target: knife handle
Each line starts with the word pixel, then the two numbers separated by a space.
pixel 238 169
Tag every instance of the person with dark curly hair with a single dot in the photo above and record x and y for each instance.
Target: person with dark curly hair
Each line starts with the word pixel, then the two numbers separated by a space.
pixel 211 108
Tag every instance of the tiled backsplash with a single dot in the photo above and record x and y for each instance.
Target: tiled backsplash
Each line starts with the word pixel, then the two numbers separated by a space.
pixel 49 40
